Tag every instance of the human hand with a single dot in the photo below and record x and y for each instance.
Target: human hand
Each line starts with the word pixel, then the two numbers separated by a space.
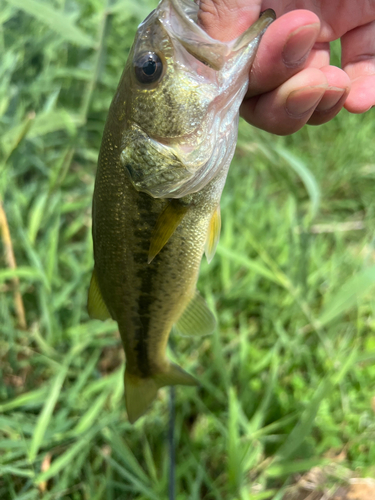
pixel 291 81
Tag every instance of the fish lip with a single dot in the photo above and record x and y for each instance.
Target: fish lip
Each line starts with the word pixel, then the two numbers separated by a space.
pixel 182 8
pixel 166 8
pixel 179 19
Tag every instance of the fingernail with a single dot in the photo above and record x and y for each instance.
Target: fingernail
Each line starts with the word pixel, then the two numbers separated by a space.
pixel 301 101
pixel 299 44
pixel 330 98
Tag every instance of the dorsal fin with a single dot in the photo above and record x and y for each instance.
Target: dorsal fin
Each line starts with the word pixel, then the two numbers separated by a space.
pixel 197 319
pixel 166 225
pixel 213 234
pixel 95 304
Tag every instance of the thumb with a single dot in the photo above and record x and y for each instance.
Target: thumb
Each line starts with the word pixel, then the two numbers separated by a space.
pixel 225 20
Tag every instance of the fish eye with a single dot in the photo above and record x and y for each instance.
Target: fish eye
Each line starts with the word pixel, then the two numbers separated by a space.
pixel 148 68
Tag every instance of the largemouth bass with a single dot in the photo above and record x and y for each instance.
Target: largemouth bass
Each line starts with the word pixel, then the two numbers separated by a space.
pixel 167 145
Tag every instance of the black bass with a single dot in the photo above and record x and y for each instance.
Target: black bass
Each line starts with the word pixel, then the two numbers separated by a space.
pixel 167 145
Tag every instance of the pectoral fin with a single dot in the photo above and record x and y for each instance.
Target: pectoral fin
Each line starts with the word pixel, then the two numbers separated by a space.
pixel 213 235
pixel 197 319
pixel 166 225
pixel 95 304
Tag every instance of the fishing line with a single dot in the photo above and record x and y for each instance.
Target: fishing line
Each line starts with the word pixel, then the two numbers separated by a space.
pixel 172 445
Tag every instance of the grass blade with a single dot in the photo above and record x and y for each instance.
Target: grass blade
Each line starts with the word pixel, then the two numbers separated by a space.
pixel 46 413
pixel 55 20
pixel 304 425
pixel 306 177
pixel 348 296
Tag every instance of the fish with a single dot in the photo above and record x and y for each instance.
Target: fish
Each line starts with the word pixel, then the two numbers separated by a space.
pixel 167 145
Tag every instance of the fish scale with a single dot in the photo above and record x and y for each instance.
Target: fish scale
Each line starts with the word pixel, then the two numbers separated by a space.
pixel 166 149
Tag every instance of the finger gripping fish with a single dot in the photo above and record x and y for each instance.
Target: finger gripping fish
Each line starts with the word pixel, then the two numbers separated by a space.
pixel 167 145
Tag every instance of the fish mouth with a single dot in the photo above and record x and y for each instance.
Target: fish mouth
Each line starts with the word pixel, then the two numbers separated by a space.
pixel 180 20
pixel 177 166
pixel 187 8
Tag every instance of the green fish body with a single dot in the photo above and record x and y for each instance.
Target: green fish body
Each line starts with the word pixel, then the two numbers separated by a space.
pixel 167 145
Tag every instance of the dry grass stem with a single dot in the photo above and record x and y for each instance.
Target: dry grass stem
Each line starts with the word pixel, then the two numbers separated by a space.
pixel 11 263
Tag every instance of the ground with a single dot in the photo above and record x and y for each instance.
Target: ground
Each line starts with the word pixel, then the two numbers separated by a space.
pixel 286 401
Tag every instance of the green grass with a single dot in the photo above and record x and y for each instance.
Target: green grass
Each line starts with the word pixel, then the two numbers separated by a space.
pixel 288 378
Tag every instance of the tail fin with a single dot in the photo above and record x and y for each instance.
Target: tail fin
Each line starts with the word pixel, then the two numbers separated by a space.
pixel 141 392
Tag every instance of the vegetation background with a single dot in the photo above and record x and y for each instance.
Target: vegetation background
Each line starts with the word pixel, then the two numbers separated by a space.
pixel 288 378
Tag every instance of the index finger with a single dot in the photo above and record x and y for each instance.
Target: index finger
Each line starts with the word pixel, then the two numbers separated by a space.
pixel 283 51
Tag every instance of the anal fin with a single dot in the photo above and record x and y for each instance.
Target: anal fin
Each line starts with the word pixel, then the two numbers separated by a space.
pixel 95 304
pixel 167 223
pixel 175 376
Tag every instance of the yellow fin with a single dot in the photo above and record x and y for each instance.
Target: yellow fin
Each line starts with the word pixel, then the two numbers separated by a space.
pixel 95 304
pixel 213 235
pixel 141 392
pixel 175 376
pixel 166 225
pixel 197 319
